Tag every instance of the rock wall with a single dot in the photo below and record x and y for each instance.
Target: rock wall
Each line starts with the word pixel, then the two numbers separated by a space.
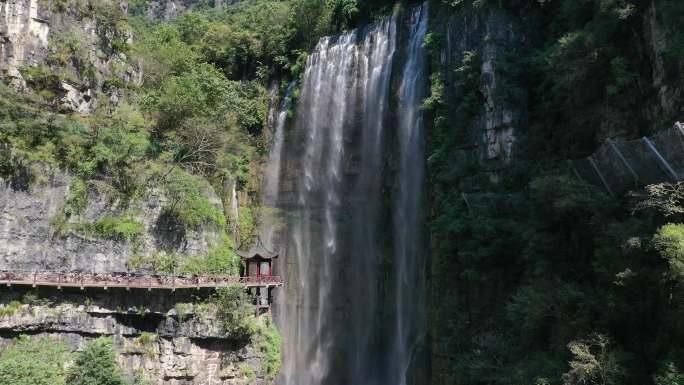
pixel 666 77
pixel 171 9
pixel 480 42
pixel 149 334
pixel 35 235
pixel 491 35
pixel 23 34
pixel 188 348
pixel 29 238
pixel 31 29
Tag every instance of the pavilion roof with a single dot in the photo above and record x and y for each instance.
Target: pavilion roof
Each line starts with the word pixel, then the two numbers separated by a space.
pixel 258 250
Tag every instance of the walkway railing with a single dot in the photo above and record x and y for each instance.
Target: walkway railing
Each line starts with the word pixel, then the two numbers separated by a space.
pixel 619 165
pixel 128 281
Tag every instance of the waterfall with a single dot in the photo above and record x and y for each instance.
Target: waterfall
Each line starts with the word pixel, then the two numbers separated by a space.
pixel 351 187
pixel 234 207
pixel 408 242
pixel 270 224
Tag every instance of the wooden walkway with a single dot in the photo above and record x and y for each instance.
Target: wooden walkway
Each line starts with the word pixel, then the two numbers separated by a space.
pixel 129 281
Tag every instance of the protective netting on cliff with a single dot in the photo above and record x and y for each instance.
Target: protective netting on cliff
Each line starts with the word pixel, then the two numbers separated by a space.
pixel 620 165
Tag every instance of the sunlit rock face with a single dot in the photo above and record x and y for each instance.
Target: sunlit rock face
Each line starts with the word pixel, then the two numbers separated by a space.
pixel 23 35
pixel 171 9
pixel 148 333
pixel 33 238
pixel 350 189
pixel 31 29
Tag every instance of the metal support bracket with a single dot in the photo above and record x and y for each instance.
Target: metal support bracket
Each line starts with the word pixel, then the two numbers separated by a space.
pixel 662 160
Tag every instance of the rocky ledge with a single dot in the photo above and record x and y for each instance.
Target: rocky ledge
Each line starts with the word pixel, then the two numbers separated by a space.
pixel 169 340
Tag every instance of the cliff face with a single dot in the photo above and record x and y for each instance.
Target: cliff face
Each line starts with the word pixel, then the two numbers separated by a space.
pixel 173 338
pixel 170 9
pixel 472 142
pixel 67 37
pixel 484 104
pixel 170 338
pixel 666 75
pixel 36 236
pixel 164 336
pixel 24 34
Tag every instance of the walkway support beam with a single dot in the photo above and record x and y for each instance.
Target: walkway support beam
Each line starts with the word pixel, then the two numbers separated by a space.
pixel 662 159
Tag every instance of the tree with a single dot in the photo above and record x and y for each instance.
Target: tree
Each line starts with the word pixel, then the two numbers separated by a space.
pixel 235 311
pixel 199 145
pixel 34 362
pixel 668 374
pixel 669 240
pixel 593 363
pixel 96 365
pixel 666 198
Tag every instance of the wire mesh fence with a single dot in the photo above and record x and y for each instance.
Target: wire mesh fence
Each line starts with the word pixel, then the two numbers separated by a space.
pixel 620 165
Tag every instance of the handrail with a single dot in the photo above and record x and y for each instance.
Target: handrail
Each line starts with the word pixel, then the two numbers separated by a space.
pixel 149 281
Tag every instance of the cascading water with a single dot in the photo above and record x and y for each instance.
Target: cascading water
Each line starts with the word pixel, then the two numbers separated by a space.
pixel 408 242
pixel 351 182
pixel 270 224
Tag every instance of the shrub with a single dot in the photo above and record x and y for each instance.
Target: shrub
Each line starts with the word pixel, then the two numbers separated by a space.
pixel 10 309
pixel 127 229
pixel 41 78
pixel 668 374
pixel 34 362
pixel 96 365
pixel 189 204
pixel 593 363
pixel 247 372
pixel 669 240
pixel 247 224
pixel 183 311
pixel 235 311
pixel 221 259
pixel 77 199
pixel 268 341
pixel 158 262
pixel 147 339
pixel 32 298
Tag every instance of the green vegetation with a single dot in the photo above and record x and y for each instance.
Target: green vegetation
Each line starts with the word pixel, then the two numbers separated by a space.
pixel 183 311
pixel 221 259
pixel 34 299
pixel 539 274
pixel 10 309
pixel 236 314
pixel 187 203
pixel 77 199
pixel 49 361
pixel 96 365
pixel 116 228
pixel 158 262
pixel 669 240
pixel 146 341
pixel 34 362
pixel 269 341
pixel 235 311
pixel 119 228
pixel 247 372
